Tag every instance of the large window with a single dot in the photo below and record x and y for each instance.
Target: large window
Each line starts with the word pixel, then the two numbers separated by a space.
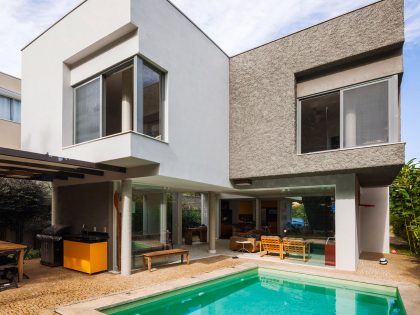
pixel 128 97
pixel 361 115
pixel 320 123
pixel 9 108
pixel 88 111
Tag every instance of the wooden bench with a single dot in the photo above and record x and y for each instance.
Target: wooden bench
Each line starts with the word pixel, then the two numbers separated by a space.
pixel 165 253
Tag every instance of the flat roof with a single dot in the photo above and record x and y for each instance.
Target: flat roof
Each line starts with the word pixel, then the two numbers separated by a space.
pixel 19 164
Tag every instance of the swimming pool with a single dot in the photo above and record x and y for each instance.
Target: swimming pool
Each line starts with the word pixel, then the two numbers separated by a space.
pixel 267 291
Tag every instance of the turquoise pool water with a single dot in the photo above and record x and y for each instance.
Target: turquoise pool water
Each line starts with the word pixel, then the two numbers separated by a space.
pixel 266 292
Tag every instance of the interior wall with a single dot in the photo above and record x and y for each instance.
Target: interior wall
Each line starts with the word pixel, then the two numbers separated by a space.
pixel 374 221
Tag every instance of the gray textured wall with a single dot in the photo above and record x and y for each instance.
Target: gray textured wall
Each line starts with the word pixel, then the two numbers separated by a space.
pixel 263 89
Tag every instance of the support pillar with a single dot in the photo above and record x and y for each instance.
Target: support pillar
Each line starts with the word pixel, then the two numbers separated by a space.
pixel 163 221
pixel 204 209
pixel 212 222
pixel 145 216
pixel 126 219
pixel 127 101
pixel 177 219
pixel 258 214
pixel 54 204
pixel 346 254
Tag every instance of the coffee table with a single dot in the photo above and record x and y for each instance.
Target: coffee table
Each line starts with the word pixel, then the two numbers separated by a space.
pixel 243 249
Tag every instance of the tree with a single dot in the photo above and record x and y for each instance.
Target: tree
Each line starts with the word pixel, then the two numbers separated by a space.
pixel 405 205
pixel 24 205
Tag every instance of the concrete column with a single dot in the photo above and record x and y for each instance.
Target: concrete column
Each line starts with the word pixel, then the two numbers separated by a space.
pixel 163 216
pixel 54 204
pixel 204 209
pixel 126 219
pixel 212 222
pixel 350 128
pixel 127 101
pixel 258 214
pixel 177 219
pixel 145 216
pixel 346 223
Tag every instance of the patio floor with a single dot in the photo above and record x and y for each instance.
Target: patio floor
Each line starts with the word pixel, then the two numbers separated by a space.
pixel 48 287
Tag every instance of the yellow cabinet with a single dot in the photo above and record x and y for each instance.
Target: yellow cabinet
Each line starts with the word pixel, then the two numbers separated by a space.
pixel 86 257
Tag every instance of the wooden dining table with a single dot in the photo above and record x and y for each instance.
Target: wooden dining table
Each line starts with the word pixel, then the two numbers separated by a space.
pixel 7 246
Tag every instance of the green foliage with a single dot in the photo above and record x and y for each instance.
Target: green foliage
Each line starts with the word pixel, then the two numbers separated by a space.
pixel 191 218
pixel 33 254
pixel 405 205
pixel 298 211
pixel 24 205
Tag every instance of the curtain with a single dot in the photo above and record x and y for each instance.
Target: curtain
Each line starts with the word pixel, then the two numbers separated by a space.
pixel 366 115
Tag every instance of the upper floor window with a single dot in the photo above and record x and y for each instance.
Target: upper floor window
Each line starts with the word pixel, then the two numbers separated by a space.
pixel 361 115
pixel 128 97
pixel 9 108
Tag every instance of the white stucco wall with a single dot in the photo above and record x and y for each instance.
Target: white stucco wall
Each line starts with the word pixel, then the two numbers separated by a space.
pixel 101 33
pixel 374 221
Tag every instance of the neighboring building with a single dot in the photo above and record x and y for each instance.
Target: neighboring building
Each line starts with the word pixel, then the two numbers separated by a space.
pixel 9 111
pixel 304 130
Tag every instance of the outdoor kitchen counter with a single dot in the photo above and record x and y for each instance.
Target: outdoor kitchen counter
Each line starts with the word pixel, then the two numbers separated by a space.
pixel 85 254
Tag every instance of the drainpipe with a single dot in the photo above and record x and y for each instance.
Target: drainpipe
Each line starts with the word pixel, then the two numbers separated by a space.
pixel 126 219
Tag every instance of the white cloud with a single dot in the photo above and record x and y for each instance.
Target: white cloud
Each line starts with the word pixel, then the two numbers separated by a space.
pixel 21 21
pixel 412 22
pixel 235 25
pixel 238 25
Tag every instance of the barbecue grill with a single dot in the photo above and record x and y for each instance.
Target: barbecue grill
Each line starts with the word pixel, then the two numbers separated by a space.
pixel 52 244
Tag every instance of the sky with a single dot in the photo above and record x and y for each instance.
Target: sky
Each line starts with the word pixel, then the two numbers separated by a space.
pixel 236 26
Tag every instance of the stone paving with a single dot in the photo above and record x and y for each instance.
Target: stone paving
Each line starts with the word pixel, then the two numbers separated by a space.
pixel 48 288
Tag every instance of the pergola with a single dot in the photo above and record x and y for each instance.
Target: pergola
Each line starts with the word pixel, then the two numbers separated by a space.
pixel 20 164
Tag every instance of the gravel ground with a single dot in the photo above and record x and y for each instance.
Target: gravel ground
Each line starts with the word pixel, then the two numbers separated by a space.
pixel 48 288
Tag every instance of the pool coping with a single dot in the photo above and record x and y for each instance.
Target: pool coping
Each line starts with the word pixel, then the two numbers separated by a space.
pixel 409 293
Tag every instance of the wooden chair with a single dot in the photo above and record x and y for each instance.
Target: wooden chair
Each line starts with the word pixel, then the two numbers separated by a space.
pixel 271 244
pixel 297 246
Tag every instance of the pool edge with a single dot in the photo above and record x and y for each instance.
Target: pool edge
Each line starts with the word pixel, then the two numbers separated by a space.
pixel 405 291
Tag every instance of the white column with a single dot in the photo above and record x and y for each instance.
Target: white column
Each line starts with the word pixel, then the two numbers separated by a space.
pixel 126 217
pixel 163 215
pixel 212 222
pixel 204 209
pixel 258 214
pixel 350 127
pixel 145 216
pixel 127 101
pixel 346 223
pixel 54 204
pixel 177 219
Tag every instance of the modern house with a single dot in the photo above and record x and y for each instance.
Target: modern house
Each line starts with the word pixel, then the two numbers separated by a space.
pixel 9 111
pixel 300 136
